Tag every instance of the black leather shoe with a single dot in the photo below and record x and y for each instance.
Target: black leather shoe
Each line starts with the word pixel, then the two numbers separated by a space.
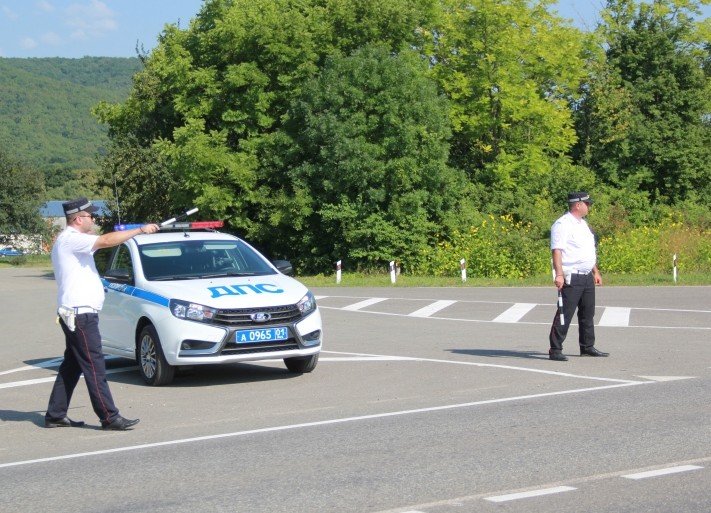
pixel 557 356
pixel 591 351
pixel 65 422
pixel 120 424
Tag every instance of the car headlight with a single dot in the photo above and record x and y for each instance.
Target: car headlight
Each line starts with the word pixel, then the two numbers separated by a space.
pixel 307 304
pixel 192 311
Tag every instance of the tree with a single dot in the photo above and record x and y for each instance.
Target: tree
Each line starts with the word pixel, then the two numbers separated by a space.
pixel 510 70
pixel 644 124
pixel 21 195
pixel 370 148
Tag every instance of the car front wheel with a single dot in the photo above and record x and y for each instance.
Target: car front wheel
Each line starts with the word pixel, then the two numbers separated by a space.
pixel 153 366
pixel 301 364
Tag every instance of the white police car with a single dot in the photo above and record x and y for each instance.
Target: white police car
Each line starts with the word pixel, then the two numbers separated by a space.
pixel 185 298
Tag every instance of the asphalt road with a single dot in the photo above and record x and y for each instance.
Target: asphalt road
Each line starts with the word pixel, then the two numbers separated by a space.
pixel 425 400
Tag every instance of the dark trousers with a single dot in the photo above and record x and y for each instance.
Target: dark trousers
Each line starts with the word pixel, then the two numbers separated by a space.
pixel 579 294
pixel 83 354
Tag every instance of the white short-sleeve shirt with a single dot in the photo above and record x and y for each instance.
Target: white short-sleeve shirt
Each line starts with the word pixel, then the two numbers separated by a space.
pixel 74 269
pixel 572 236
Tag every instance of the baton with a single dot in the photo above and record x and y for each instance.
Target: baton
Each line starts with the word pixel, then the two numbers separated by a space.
pixel 560 308
pixel 178 218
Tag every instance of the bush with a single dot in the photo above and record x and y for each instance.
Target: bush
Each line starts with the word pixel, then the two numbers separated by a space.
pixel 498 247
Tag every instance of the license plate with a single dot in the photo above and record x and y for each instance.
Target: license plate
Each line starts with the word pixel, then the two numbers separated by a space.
pixel 261 335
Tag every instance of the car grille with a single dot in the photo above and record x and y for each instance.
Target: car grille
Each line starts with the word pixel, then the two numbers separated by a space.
pixel 241 316
pixel 232 348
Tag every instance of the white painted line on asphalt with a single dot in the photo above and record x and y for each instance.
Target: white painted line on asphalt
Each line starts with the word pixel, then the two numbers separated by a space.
pixel 362 304
pixel 528 323
pixel 498 366
pixel 54 362
pixel 319 423
pixel 51 379
pixel 666 378
pixel 515 313
pixel 663 472
pixel 432 309
pixel 528 495
pixel 319 297
pixel 615 316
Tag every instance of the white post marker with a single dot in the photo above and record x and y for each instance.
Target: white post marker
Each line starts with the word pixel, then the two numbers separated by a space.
pixel 674 262
pixel 182 216
pixel 463 268
pixel 392 272
pixel 338 272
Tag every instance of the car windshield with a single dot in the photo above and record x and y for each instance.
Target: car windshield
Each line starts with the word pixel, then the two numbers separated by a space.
pixel 195 259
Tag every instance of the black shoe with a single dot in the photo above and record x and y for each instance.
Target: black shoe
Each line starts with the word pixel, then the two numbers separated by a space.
pixel 557 356
pixel 119 424
pixel 591 351
pixel 65 422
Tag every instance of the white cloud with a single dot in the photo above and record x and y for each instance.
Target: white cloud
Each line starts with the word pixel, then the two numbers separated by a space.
pixel 51 38
pixel 12 15
pixel 45 6
pixel 92 19
pixel 28 43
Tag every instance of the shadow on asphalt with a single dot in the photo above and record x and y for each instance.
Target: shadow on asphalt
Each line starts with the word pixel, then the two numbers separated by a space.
pixel 499 353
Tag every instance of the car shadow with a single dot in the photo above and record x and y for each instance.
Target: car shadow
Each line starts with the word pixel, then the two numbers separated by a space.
pixel 501 353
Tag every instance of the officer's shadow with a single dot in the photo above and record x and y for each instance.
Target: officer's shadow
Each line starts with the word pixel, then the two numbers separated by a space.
pixel 501 353
pixel 35 417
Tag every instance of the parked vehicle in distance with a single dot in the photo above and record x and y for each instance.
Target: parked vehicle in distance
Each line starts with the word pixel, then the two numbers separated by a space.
pixel 10 252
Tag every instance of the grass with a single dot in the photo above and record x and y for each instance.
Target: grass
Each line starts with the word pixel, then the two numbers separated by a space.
pixel 383 280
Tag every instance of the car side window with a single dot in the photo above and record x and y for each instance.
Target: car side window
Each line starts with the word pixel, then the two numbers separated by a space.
pixel 123 260
pixel 102 257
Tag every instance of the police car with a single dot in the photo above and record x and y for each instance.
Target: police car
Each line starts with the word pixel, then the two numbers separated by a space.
pixel 189 297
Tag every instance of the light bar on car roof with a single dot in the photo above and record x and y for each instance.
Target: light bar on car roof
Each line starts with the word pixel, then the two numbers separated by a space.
pixel 195 225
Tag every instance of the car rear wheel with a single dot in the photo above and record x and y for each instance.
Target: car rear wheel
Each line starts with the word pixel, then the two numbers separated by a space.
pixel 153 366
pixel 301 365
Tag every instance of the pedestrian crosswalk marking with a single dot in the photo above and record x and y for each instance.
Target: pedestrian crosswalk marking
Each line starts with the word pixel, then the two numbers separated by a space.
pixel 432 308
pixel 363 304
pixel 615 316
pixel 516 312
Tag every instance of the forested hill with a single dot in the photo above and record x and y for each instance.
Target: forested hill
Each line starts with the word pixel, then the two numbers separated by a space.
pixel 45 112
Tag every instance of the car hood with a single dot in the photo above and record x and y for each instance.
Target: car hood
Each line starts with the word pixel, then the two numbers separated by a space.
pixel 232 292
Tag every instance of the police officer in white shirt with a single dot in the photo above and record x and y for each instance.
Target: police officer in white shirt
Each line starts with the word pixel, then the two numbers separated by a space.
pixel 576 274
pixel 80 298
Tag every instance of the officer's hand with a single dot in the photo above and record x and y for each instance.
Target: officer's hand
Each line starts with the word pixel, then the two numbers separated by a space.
pixel 598 278
pixel 559 281
pixel 150 228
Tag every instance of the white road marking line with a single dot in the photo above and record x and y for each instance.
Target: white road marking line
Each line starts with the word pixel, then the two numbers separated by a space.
pixel 527 495
pixel 662 472
pixel 432 309
pixel 528 323
pixel 319 423
pixel 499 366
pixel 319 297
pixel 54 362
pixel 615 316
pixel 51 379
pixel 515 313
pixel 666 378
pixel 362 304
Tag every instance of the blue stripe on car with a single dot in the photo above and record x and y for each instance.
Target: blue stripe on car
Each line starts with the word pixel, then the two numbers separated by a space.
pixel 136 292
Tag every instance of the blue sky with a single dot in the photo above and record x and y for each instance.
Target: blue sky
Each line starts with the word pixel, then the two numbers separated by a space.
pixel 112 28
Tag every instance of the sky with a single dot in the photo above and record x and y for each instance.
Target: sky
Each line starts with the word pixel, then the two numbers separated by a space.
pixel 114 28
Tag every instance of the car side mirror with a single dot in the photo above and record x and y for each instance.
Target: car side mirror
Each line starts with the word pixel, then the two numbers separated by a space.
pixel 284 267
pixel 119 275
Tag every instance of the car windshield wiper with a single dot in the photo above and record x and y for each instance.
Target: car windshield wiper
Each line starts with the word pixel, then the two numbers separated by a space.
pixel 227 274
pixel 175 278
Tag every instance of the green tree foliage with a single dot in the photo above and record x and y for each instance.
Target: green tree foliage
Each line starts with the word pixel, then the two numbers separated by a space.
pixel 21 195
pixel 645 125
pixel 510 70
pixel 45 116
pixel 370 180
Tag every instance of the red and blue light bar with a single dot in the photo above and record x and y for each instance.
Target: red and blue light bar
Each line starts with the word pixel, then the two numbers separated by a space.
pixel 195 225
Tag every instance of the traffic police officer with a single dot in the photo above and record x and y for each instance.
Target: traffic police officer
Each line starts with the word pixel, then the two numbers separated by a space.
pixel 80 298
pixel 576 274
